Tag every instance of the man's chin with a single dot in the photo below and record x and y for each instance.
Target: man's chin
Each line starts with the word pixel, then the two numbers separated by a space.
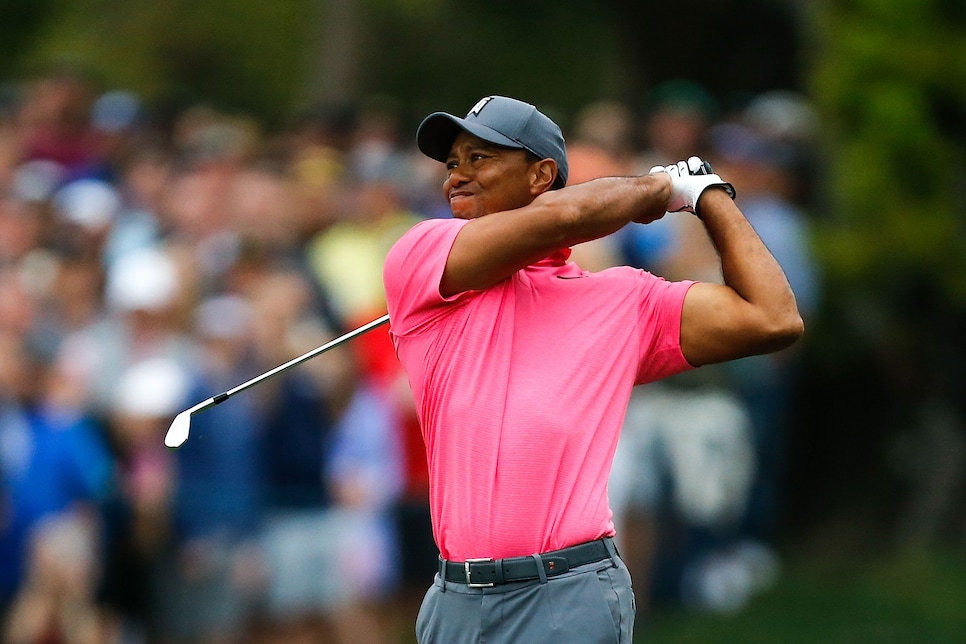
pixel 463 210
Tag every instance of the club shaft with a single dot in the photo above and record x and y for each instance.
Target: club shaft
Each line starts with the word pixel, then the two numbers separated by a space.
pixel 299 360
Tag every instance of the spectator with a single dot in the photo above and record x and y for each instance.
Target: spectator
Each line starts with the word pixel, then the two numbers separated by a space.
pixel 331 472
pixel 142 172
pixel 56 475
pixel 57 599
pixel 675 123
pixel 145 397
pixel 767 151
pixel 677 117
pixel 210 571
pixel 347 260
pixel 716 560
pixel 684 463
pixel 144 296
pixel 54 120
pixel 86 210
pixel 602 147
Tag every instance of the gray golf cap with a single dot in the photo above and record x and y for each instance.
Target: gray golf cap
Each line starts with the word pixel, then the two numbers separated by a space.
pixel 500 120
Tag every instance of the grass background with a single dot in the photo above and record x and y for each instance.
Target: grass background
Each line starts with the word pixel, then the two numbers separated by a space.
pixel 914 596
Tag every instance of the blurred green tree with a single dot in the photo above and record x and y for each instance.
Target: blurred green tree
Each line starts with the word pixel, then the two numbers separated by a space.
pixel 271 59
pixel 236 55
pixel 887 365
pixel 20 20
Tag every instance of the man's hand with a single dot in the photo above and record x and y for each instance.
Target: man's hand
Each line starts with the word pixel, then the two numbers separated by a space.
pixel 688 180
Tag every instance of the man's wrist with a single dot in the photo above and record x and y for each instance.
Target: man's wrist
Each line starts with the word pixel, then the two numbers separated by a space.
pixel 664 188
pixel 711 199
pixel 657 190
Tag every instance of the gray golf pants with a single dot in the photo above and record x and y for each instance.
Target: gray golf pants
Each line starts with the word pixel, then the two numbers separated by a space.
pixel 590 604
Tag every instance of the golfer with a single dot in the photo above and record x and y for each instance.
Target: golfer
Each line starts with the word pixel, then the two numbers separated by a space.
pixel 522 365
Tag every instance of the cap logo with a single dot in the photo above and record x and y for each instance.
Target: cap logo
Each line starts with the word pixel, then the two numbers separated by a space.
pixel 479 106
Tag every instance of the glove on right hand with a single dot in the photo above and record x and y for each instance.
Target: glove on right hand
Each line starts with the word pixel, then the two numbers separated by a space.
pixel 688 180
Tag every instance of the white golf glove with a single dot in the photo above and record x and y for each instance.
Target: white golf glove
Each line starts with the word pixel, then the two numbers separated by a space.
pixel 688 180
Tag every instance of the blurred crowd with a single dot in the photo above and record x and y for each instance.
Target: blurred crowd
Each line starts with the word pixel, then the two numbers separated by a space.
pixel 149 263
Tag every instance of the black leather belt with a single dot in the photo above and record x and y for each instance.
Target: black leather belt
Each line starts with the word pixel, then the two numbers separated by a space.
pixel 481 573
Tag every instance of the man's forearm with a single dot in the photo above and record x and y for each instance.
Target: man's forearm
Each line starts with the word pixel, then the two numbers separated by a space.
pixel 747 266
pixel 603 206
pixel 491 248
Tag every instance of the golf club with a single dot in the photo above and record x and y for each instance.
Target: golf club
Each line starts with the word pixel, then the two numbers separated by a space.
pixel 178 432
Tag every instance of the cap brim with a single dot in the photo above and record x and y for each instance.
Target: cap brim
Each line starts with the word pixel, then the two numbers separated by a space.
pixel 436 134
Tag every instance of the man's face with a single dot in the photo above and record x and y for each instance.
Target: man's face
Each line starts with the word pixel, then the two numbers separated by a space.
pixel 483 178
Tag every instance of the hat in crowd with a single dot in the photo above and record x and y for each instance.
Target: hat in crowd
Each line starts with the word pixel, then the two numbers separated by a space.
pixel 153 388
pixel 500 120
pixel 37 179
pixel 682 96
pixel 115 111
pixel 145 279
pixel 782 114
pixel 92 204
pixel 223 317
pixel 738 143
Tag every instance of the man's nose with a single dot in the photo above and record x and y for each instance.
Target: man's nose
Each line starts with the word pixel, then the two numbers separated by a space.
pixel 457 175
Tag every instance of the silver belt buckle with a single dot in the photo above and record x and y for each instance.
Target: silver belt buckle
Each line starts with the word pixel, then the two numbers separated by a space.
pixel 466 568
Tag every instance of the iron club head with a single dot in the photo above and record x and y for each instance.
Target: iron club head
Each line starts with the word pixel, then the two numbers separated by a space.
pixel 178 432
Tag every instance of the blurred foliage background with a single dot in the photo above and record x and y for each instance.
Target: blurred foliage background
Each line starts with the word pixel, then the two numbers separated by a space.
pixel 879 450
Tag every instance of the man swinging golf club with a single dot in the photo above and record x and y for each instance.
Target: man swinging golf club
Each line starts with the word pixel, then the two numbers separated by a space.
pixel 522 365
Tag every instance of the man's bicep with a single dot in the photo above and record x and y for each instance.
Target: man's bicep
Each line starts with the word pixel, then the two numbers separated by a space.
pixel 413 269
pixel 717 325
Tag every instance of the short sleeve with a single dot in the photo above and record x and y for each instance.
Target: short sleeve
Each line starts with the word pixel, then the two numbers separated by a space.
pixel 661 306
pixel 413 270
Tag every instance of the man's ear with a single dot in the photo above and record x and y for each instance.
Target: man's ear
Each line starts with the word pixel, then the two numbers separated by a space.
pixel 543 174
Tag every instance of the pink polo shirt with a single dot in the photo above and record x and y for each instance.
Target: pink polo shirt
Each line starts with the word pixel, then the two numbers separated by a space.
pixel 521 389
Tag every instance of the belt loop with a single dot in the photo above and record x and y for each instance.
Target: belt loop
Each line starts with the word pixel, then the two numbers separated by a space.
pixel 611 550
pixel 442 573
pixel 541 571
